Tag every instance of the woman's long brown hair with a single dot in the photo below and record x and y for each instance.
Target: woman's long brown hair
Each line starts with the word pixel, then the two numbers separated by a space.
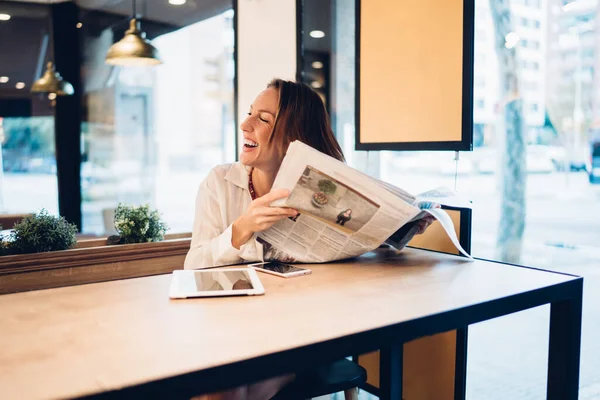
pixel 301 115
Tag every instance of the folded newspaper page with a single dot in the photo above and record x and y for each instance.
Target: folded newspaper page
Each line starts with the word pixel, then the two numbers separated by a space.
pixel 343 212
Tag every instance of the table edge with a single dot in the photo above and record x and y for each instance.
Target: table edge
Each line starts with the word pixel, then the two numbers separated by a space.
pixel 189 384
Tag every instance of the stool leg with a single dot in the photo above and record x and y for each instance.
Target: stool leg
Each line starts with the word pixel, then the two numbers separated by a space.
pixel 351 394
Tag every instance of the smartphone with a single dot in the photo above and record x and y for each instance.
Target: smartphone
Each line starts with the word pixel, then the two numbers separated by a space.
pixel 280 269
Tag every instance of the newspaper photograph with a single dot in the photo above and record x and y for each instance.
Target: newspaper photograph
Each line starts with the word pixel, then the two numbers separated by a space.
pixel 329 200
pixel 343 212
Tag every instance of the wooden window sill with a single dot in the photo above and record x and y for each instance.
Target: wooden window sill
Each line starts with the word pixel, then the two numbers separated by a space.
pixel 92 261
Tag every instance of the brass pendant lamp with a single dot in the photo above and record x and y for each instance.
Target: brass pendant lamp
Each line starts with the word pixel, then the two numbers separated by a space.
pixel 51 82
pixel 134 49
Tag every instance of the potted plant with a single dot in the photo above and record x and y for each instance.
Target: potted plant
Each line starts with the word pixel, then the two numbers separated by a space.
pixel 327 188
pixel 39 232
pixel 137 224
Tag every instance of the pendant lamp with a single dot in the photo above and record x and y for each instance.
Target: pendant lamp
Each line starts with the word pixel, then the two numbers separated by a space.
pixel 52 82
pixel 134 48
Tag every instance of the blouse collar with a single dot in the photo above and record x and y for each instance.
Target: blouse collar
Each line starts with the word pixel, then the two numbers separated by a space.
pixel 238 175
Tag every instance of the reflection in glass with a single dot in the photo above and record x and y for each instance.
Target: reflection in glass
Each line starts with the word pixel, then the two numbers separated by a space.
pixel 28 175
pixel 222 280
pixel 28 180
pixel 153 133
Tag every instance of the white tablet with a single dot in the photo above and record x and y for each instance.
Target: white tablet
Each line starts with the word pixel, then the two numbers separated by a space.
pixel 215 282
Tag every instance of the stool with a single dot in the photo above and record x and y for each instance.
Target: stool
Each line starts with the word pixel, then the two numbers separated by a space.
pixel 343 375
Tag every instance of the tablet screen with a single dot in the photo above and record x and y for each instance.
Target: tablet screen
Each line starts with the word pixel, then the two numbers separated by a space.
pixel 222 280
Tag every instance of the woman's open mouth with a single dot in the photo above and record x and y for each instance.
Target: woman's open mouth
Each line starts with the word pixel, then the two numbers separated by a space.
pixel 249 145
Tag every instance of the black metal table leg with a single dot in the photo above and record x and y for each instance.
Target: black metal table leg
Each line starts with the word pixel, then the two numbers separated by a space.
pixel 390 379
pixel 460 369
pixel 565 346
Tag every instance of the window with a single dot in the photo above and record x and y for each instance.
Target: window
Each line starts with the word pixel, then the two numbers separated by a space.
pixel 152 134
pixel 530 86
pixel 28 179
pixel 551 179
pixel 555 152
pixel 482 34
pixel 28 176
pixel 588 53
pixel 531 44
pixel 551 233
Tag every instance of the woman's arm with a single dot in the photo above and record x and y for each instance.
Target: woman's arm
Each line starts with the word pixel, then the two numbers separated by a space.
pixel 239 233
pixel 211 246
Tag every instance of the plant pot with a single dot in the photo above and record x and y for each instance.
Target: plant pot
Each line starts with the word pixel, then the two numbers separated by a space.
pixel 92 261
pixel 319 199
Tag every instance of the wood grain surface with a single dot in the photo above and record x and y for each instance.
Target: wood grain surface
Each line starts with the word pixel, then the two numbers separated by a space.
pixel 87 339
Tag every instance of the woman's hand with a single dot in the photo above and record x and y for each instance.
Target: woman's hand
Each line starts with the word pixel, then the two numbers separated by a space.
pixel 424 223
pixel 259 217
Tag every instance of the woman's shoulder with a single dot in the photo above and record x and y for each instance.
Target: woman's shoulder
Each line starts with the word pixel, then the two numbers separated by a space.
pixel 233 173
pixel 223 170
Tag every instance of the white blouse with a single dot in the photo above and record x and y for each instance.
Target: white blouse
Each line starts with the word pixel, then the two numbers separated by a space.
pixel 222 197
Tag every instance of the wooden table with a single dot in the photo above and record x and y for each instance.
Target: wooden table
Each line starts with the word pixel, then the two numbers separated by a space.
pixel 127 339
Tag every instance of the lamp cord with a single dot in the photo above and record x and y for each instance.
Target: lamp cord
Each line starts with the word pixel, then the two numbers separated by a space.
pixel 51 26
pixel 456 169
pixel 134 10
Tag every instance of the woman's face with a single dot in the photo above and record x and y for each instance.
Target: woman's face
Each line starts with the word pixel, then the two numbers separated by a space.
pixel 257 128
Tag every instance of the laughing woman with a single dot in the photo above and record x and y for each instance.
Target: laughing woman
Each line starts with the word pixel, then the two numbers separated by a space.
pixel 233 201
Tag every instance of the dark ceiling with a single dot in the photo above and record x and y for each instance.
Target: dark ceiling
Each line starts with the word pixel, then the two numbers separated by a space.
pixel 21 39
pixel 22 54
pixel 160 10
pixel 317 16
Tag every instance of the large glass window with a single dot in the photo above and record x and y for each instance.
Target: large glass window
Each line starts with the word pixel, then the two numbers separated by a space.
pixel 28 177
pixel 151 134
pixel 533 176
pixel 27 157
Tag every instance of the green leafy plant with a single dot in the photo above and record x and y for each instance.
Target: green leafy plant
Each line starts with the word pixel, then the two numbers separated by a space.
pixel 137 224
pixel 39 233
pixel 327 186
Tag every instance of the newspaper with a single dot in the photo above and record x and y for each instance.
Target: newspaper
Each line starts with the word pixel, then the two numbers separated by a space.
pixel 343 212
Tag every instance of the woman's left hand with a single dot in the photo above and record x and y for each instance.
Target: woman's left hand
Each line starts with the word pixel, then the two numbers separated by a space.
pixel 424 223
